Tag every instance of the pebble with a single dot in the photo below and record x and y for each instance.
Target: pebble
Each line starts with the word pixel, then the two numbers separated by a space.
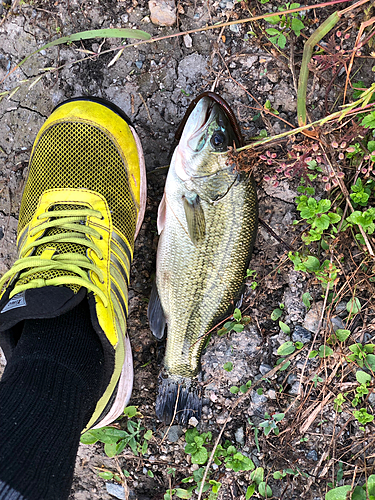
pixel 295 388
pixel 239 435
pixel 341 307
pixel 116 490
pixel 258 399
pixel 271 394
pixel 312 455
pixel 188 41
pixel 337 323
pixel 193 422
pixel 264 368
pixel 371 399
pixel 162 12
pixel 139 64
pixel 312 318
pixel 174 433
pixel 235 28
pixel 300 334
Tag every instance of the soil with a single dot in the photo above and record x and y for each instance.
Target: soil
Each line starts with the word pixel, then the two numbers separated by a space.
pixel 154 84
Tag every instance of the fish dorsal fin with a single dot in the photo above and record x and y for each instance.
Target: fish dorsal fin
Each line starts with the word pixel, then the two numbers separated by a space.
pixel 195 219
pixel 161 213
pixel 155 314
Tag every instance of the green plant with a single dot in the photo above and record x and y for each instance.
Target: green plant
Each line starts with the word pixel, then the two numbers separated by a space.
pixel 243 388
pixel 237 325
pixel 326 272
pixel 364 219
pixel 306 297
pixel 258 483
pixel 361 192
pixel 316 379
pixel 362 355
pixel 228 366
pixel 271 422
pixel 277 313
pixel 339 401
pixel 287 24
pixel 364 492
pixel 318 216
pixel 250 273
pixel 236 461
pixel 195 445
pixel 115 440
pixel 108 475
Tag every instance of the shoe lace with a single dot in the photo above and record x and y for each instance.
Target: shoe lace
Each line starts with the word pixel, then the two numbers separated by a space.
pixel 72 229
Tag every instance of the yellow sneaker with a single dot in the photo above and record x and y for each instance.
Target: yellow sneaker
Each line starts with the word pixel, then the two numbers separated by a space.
pixel 81 210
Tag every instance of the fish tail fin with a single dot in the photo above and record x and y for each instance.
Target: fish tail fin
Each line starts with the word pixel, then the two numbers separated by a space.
pixel 179 396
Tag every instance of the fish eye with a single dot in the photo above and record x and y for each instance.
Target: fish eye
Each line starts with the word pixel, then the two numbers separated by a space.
pixel 218 139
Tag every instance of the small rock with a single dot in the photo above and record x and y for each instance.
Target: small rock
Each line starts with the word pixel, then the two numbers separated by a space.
pixel 371 399
pixel 300 334
pixel 188 41
pixel 271 394
pixel 291 378
pixel 312 318
pixel 235 28
pixel 341 307
pixel 239 435
pixel 220 419
pixel 162 12
pixel 312 455
pixel 258 399
pixel 116 490
pixel 193 422
pixel 264 368
pixel 295 388
pixel 337 323
pixel 174 433
pixel 139 64
pixel 194 467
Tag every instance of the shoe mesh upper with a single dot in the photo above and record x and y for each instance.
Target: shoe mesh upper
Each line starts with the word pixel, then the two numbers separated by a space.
pixel 80 155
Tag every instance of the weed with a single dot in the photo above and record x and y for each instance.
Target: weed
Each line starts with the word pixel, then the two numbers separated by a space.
pixel 277 313
pixel 360 492
pixel 258 484
pixel 286 24
pixel 237 325
pixel 362 355
pixel 115 440
pixel 243 388
pixel 271 422
pixel 228 366
pixel 195 445
pixel 315 214
pixel 252 274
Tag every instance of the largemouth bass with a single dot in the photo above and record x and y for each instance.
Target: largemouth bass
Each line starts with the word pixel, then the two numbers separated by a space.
pixel 207 221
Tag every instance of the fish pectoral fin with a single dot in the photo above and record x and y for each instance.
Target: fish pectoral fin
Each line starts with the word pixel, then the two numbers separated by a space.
pixel 161 213
pixel 195 219
pixel 155 314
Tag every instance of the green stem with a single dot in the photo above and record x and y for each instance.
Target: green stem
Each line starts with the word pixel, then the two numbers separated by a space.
pixel 307 54
pixel 304 73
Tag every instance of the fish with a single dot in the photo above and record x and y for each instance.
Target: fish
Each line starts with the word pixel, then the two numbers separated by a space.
pixel 207 224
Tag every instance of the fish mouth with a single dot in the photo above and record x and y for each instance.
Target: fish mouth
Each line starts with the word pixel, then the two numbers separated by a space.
pixel 203 110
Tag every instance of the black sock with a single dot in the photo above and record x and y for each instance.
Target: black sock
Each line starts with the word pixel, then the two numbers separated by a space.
pixel 47 395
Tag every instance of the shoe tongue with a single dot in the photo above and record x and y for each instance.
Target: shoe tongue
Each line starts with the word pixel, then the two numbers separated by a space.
pixel 37 303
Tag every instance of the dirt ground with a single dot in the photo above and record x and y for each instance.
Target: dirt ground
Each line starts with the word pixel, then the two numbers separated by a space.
pixel 154 84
